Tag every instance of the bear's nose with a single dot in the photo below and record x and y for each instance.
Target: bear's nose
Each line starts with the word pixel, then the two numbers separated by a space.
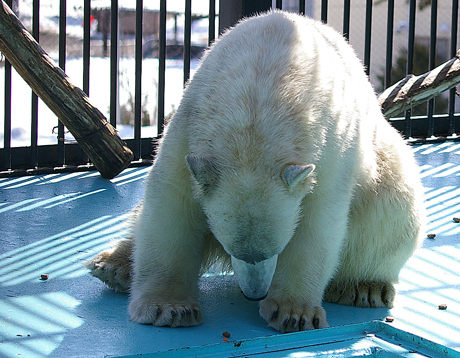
pixel 252 258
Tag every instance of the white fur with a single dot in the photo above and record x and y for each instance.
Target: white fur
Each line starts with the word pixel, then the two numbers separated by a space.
pixel 276 97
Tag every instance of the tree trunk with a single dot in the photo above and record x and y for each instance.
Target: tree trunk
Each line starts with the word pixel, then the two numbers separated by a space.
pixel 413 90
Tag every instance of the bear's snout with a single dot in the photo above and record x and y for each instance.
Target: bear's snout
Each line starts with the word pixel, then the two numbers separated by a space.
pixel 255 278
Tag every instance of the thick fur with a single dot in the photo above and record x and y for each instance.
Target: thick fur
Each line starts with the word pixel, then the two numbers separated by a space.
pixel 276 94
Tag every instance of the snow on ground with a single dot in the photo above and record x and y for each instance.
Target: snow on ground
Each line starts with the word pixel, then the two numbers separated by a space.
pixel 99 91
pixel 99 95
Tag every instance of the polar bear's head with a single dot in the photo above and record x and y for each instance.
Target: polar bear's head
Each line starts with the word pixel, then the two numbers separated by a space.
pixel 253 213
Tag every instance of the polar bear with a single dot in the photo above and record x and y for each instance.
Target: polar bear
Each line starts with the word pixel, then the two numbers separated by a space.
pixel 279 163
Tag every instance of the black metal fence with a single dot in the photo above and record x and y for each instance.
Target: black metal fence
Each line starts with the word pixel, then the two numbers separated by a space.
pixel 109 34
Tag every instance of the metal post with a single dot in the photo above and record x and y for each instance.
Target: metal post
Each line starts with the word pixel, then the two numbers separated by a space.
pixel 410 61
pixel 86 44
pixel 346 19
pixel 187 39
pixel 161 68
pixel 62 60
pixel 389 50
pixel 431 62
pixel 253 7
pixel 7 112
pixel 453 50
pixel 324 11
pixel 230 11
pixel 212 22
pixel 34 118
pixel 114 108
pixel 367 35
pixel 138 81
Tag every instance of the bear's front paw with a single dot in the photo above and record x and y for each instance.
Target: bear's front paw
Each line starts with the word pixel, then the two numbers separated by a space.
pixel 286 316
pixel 374 294
pixel 151 311
pixel 112 269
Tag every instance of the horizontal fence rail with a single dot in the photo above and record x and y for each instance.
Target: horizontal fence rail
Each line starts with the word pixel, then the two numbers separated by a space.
pixel 133 62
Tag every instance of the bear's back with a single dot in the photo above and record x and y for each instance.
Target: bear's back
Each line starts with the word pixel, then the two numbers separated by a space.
pixel 272 88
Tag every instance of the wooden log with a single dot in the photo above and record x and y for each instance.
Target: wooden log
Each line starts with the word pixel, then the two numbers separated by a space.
pixel 413 90
pixel 98 139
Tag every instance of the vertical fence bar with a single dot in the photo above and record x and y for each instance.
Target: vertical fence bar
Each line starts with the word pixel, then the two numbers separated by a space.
pixel 389 49
pixel 138 81
pixel 161 68
pixel 7 117
pixel 411 38
pixel 62 60
pixel 253 7
pixel 346 19
pixel 86 52
pixel 367 37
pixel 431 63
pixel 410 60
pixel 324 11
pixel 453 51
pixel 113 62
pixel 301 7
pixel 86 43
pixel 34 116
pixel 279 4
pixel 7 113
pixel 212 22
pixel 187 39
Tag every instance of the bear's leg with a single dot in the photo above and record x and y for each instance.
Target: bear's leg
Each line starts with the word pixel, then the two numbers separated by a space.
pixel 386 222
pixel 294 298
pixel 168 240
pixel 114 266
pixel 302 273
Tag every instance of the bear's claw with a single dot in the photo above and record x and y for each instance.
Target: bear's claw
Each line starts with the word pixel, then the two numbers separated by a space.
pixel 375 295
pixel 183 314
pixel 290 317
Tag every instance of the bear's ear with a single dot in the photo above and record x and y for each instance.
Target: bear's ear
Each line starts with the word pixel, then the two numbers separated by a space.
pixel 203 170
pixel 293 174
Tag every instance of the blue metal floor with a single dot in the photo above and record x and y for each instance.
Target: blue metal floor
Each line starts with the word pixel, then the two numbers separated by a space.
pixel 51 224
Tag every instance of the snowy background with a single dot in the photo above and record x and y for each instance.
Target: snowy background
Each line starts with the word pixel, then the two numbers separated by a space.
pixel 99 91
